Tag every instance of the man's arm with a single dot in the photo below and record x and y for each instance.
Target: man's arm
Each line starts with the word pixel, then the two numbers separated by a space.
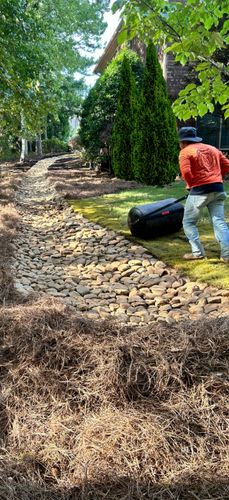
pixel 224 164
pixel 185 168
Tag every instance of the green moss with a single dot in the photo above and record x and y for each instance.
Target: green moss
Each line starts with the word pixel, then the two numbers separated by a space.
pixel 111 211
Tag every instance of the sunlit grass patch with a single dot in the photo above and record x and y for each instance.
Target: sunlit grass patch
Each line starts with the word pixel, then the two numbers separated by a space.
pixel 112 210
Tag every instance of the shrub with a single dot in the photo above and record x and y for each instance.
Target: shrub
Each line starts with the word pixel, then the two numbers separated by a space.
pixel 54 145
pixel 8 148
pixel 100 105
pixel 123 124
pixel 155 154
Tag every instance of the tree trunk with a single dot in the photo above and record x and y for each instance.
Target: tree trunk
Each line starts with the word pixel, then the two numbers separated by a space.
pixel 39 145
pixel 24 150
pixel 24 142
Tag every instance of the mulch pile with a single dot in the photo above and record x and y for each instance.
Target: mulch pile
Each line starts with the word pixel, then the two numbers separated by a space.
pixel 93 411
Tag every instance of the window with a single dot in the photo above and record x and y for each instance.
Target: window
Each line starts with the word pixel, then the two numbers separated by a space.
pixel 214 130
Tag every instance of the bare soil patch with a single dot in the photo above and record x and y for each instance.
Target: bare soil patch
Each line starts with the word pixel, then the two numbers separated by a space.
pixel 92 411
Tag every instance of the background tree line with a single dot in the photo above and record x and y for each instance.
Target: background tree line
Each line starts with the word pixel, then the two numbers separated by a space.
pixel 41 47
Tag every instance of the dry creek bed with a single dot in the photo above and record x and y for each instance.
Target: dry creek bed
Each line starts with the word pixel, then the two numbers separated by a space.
pixel 98 272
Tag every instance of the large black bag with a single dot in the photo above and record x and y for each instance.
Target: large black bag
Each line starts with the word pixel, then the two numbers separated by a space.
pixel 156 219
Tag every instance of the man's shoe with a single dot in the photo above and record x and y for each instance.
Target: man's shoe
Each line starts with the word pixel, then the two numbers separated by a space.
pixel 190 256
pixel 225 260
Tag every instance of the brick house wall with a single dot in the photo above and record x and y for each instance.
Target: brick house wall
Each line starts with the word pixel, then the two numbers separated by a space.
pixel 175 75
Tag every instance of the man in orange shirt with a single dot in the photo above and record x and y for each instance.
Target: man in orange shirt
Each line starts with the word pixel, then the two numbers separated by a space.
pixel 203 167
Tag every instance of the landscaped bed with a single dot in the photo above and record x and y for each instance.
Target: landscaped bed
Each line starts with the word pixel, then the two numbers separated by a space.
pixel 83 182
pixel 91 411
pixel 9 221
pixel 112 210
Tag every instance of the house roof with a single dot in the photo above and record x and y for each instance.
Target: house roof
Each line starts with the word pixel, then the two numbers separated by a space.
pixel 109 52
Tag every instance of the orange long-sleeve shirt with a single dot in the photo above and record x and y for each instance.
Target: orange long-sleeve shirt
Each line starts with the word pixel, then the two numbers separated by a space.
pixel 202 164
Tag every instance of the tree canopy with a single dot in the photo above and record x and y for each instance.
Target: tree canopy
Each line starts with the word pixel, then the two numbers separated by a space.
pixel 41 44
pixel 197 32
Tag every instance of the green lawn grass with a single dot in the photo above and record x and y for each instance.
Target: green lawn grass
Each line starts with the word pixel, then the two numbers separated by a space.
pixel 112 210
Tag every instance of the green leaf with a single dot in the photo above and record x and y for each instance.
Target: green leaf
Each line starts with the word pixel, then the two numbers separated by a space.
pixel 117 5
pixel 202 108
pixel 225 27
pixel 122 37
pixel 208 23
pixel 182 58
pixel 189 87
pixel 211 107
pixel 202 66
pixel 226 113
pixel 222 99
pixel 218 12
pixel 218 39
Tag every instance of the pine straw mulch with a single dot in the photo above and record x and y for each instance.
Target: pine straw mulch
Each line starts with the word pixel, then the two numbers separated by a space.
pixel 83 183
pixel 93 411
pixel 9 184
pixel 9 221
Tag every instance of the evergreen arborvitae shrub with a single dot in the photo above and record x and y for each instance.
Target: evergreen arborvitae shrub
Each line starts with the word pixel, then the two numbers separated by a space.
pixel 123 124
pixel 155 152
pixel 100 106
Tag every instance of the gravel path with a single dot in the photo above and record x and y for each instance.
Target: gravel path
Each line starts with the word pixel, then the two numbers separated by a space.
pixel 97 271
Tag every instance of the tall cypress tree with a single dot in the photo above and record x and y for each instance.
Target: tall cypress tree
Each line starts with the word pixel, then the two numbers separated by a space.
pixel 124 124
pixel 155 150
pixel 100 106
